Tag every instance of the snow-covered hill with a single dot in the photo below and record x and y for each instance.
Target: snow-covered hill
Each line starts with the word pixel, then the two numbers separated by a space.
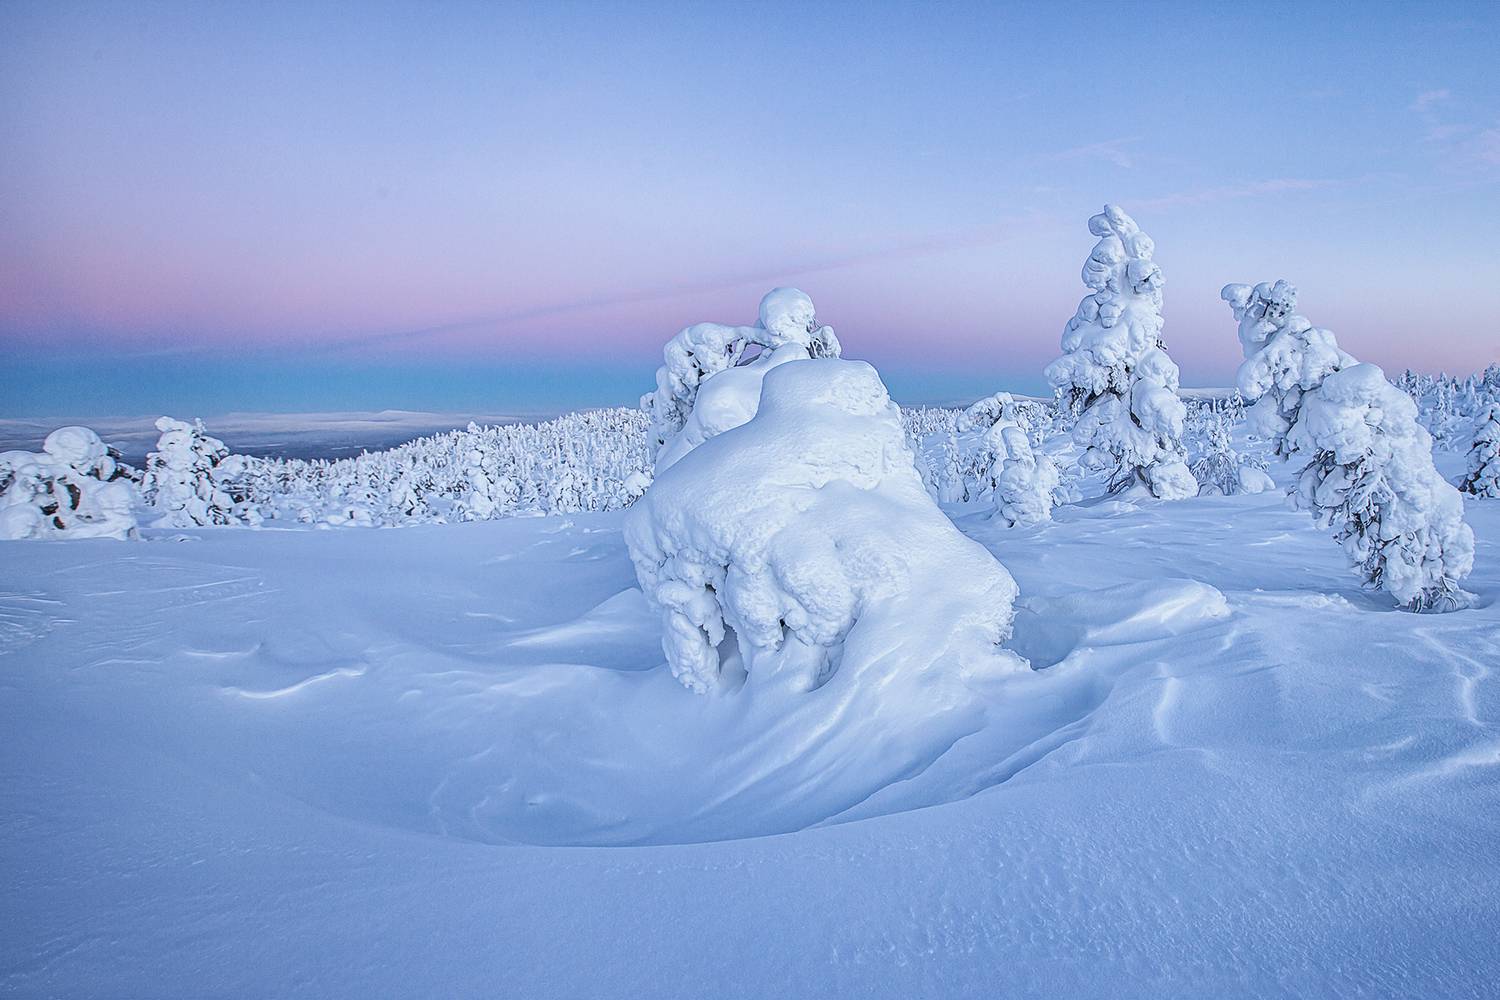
pixel 449 761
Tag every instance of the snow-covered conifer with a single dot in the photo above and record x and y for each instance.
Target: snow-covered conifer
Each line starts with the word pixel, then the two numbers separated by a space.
pixel 682 417
pixel 1115 376
pixel 183 480
pixel 803 543
pixel 1369 472
pixel 1023 483
pixel 74 488
pixel 1482 477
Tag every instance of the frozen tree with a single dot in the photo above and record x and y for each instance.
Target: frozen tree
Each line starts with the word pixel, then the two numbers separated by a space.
pixel 685 412
pixel 803 543
pixel 1483 476
pixel 1368 471
pixel 184 481
pixel 74 488
pixel 1022 483
pixel 1218 466
pixel 1115 376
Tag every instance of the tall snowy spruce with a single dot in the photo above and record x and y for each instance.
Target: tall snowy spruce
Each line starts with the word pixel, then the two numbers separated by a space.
pixel 1368 471
pixel 1482 477
pixel 1115 376
pixel 684 413
pixel 184 481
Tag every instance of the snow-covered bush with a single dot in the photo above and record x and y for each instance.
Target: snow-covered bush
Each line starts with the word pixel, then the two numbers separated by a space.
pixel 1115 376
pixel 1369 472
pixel 804 539
pixel 74 488
pixel 1217 464
pixel 705 387
pixel 1482 477
pixel 1023 483
pixel 183 482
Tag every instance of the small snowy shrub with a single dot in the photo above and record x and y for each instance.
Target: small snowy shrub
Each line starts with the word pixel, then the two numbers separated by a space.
pixel 1022 482
pixel 1369 473
pixel 74 488
pixel 704 387
pixel 183 481
pixel 1219 467
pixel 1114 376
pixel 1483 476
pixel 804 539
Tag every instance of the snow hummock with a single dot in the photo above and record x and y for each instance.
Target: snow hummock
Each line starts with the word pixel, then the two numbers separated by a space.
pixel 1115 375
pixel 802 543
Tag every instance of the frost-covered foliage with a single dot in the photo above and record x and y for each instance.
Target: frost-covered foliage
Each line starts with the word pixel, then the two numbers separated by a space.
pixel 187 476
pixel 1369 473
pixel 75 487
pixel 1218 464
pixel 1452 408
pixel 585 461
pixel 1115 376
pixel 685 412
pixel 804 539
pixel 1482 475
pixel 1022 482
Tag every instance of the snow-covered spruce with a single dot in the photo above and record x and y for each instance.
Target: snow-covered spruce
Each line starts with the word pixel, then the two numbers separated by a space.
pixel 184 483
pixel 685 411
pixel 804 540
pixel 1368 470
pixel 1115 376
pixel 74 488
pixel 1482 477
pixel 1023 483
pixel 1218 466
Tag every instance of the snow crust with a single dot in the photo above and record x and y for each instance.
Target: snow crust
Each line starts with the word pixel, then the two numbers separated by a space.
pixel 803 542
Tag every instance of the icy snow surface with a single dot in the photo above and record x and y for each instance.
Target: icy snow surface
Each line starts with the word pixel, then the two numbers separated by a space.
pixel 448 761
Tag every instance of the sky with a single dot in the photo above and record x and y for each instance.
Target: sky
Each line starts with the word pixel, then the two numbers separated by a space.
pixel 208 208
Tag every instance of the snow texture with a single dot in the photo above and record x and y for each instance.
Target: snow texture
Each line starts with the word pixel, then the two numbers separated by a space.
pixel 803 542
pixel 683 416
pixel 1115 375
pixel 1369 471
pixel 73 488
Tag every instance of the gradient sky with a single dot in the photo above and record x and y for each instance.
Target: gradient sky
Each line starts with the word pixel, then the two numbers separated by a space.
pixel 216 207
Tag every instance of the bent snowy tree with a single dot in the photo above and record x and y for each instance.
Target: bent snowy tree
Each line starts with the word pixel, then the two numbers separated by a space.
pixel 804 539
pixel 1368 471
pixel 684 413
pixel 1115 376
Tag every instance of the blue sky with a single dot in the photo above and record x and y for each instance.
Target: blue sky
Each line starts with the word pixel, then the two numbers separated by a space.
pixel 443 206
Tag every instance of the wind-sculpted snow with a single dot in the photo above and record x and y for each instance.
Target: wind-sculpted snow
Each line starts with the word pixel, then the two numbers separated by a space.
pixel 1115 376
pixel 802 545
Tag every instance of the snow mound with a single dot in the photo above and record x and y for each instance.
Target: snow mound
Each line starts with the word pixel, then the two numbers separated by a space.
pixel 804 540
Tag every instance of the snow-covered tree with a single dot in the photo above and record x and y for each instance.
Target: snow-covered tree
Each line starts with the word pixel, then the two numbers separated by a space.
pixel 1368 470
pixel 1218 466
pixel 74 488
pixel 184 482
pixel 803 543
pixel 1022 482
pixel 1115 376
pixel 1482 477
pixel 682 417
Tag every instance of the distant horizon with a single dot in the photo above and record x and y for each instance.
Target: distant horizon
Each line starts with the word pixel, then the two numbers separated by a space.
pixel 208 208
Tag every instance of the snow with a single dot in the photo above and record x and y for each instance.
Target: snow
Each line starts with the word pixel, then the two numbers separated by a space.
pixel 68 489
pixel 342 764
pixel 802 546
pixel 1115 376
